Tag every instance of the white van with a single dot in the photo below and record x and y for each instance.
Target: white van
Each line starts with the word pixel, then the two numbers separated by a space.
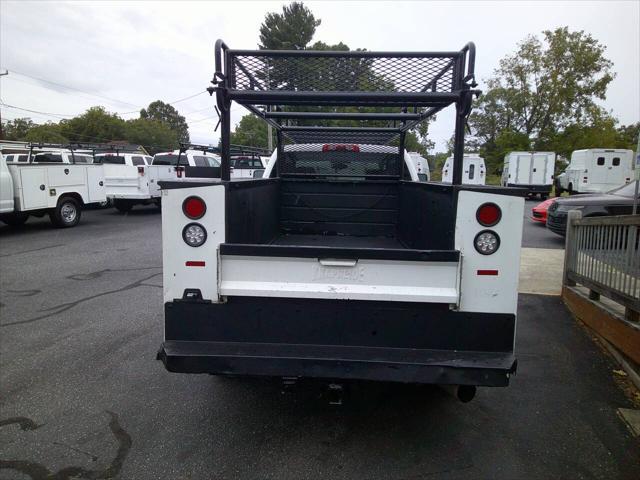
pixel 422 166
pixel 473 170
pixel 532 171
pixel 191 158
pixel 596 170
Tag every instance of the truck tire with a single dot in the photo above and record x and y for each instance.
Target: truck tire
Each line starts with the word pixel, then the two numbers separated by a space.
pixel 67 213
pixel 15 219
pixel 122 206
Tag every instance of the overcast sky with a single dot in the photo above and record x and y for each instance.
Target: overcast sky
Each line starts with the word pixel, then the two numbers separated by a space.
pixel 124 55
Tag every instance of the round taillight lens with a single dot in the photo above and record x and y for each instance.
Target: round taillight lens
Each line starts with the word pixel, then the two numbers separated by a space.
pixel 194 235
pixel 488 214
pixel 194 208
pixel 487 242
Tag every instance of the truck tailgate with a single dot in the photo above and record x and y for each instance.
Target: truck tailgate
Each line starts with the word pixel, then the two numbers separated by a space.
pixel 428 277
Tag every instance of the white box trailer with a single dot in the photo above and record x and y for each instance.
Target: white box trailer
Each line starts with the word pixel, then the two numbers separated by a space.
pixel 532 171
pixel 473 170
pixel 596 170
pixel 60 190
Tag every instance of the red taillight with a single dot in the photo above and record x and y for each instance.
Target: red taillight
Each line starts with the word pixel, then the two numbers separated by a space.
pixel 488 214
pixel 330 147
pixel 141 170
pixel 194 207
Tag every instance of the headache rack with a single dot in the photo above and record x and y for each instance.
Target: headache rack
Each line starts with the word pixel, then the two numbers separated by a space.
pixel 337 100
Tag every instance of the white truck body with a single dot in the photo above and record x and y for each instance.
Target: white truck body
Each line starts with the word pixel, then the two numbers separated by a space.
pixel 421 165
pixel 246 166
pixel 532 171
pixel 597 170
pixel 38 188
pixel 473 170
pixel 129 178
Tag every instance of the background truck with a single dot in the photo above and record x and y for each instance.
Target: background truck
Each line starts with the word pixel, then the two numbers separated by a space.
pixel 474 170
pixel 532 171
pixel 339 263
pixel 58 189
pixel 596 170
pixel 129 179
pixel 421 165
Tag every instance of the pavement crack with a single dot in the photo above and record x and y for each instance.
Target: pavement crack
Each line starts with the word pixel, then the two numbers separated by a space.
pixel 63 307
pixel 24 423
pixel 30 251
pixel 92 275
pixel 25 293
pixel 37 471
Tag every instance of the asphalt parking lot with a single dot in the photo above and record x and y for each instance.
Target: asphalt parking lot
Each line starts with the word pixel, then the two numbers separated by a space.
pixel 82 395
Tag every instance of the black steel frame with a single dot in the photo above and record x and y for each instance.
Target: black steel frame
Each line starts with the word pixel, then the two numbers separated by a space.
pixel 415 106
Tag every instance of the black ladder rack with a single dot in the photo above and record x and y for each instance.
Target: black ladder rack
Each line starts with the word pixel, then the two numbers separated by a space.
pixel 280 85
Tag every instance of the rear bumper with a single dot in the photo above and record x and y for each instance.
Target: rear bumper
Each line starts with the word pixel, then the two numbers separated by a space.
pixel 360 340
pixel 543 189
pixel 339 362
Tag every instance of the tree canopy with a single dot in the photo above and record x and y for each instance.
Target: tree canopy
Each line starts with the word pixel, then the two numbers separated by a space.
pixel 96 125
pixel 292 29
pixel 167 114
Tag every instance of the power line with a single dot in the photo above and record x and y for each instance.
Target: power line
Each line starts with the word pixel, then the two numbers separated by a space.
pixel 76 89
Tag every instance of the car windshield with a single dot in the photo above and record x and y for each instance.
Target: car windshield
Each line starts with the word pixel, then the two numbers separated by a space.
pixel 627 190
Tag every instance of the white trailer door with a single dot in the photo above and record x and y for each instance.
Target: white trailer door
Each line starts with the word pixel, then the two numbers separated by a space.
pixel 598 169
pixel 615 169
pixel 523 169
pixel 35 190
pixel 539 169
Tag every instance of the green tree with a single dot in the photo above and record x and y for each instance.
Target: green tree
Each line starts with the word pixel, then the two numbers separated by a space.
pixel 155 136
pixel 166 113
pixel 628 136
pixel 544 87
pixel 94 125
pixel 17 128
pixel 48 132
pixel 251 131
pixel 292 29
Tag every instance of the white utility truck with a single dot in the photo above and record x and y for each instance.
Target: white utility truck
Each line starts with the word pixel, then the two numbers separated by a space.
pixel 421 165
pixel 56 188
pixel 129 179
pixel 532 171
pixel 596 170
pixel 474 172
pixel 339 263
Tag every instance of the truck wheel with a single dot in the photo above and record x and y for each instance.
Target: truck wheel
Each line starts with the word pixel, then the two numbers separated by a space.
pixel 122 206
pixel 15 219
pixel 67 213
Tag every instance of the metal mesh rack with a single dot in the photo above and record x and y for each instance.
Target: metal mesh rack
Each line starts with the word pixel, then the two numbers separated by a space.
pixel 280 85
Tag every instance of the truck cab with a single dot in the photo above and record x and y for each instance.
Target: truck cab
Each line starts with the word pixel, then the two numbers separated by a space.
pixel 339 263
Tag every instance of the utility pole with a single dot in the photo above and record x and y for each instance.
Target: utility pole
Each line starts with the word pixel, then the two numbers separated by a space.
pixel 2 74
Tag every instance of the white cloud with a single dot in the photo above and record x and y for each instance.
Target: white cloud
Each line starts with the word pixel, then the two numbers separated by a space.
pixel 138 52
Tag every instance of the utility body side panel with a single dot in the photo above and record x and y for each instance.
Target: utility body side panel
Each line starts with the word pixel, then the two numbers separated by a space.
pixel 40 186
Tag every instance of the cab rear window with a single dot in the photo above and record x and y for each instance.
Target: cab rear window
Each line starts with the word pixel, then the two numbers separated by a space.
pixel 138 161
pixel 165 160
pixel 113 159
pixel 48 158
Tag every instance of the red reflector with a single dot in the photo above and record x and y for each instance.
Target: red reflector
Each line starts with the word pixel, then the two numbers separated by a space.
pixel 194 207
pixel 487 272
pixel 488 214
pixel 193 263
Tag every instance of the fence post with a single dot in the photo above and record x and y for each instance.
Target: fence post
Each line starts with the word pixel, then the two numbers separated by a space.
pixel 570 247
